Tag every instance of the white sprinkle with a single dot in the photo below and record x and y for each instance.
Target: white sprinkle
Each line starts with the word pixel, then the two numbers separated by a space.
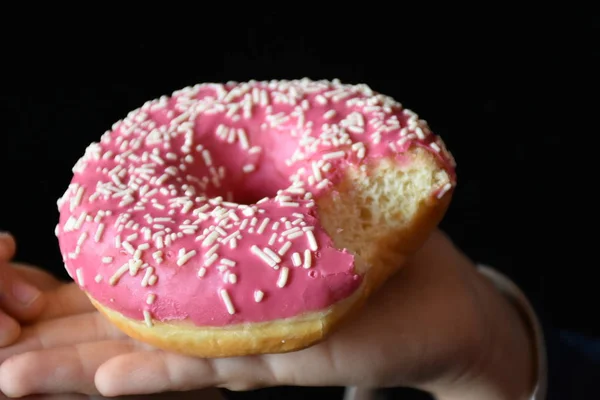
pixel 210 260
pixel 232 278
pixel 296 260
pixel 227 300
pixel 79 273
pixel 210 239
pixel 316 171
pixel 147 276
pixel 283 277
pixel 263 225
pixel 243 139
pixel 258 252
pixel 186 257
pixel 207 158
pixel 132 237
pixel 312 242
pixel 272 254
pixel 233 235
pixel 272 239
pixel 227 262
pixel 258 296
pixel 154 191
pixel 150 299
pixel 444 190
pixel 307 259
pixel 329 114
pixel 128 247
pixel 323 183
pixel 77 199
pixel 118 273
pixel 336 154
pixel 134 266
pixel 107 260
pixel 157 159
pixel 201 272
pixel 82 239
pixel 294 235
pixel 290 230
pixel 286 246
pixel 148 318
pixel 211 251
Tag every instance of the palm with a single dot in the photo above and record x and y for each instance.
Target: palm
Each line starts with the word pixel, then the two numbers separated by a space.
pixel 386 345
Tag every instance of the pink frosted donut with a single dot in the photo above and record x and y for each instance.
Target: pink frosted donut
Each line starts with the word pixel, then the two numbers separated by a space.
pixel 245 218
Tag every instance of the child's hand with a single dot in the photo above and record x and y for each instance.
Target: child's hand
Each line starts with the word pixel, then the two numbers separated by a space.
pixel 437 326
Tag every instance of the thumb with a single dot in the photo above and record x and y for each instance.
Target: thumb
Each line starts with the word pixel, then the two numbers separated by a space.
pixel 7 246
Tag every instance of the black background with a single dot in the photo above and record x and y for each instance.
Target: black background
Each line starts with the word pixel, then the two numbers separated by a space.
pixel 514 97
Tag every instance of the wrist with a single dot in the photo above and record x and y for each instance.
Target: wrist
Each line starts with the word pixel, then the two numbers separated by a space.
pixel 506 368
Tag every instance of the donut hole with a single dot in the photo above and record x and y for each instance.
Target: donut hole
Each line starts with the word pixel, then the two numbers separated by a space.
pixel 249 188
pixel 246 194
pixel 251 194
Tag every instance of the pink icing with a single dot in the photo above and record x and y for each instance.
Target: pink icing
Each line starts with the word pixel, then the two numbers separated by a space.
pixel 148 224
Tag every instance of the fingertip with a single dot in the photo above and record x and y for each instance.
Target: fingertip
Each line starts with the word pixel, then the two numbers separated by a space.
pixel 132 374
pixel 10 330
pixel 104 379
pixel 8 246
pixel 12 384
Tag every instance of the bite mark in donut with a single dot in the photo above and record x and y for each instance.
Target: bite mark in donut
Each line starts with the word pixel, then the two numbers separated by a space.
pixel 247 218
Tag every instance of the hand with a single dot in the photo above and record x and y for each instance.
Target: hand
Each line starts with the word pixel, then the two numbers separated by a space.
pixel 437 325
pixel 20 301
pixel 30 295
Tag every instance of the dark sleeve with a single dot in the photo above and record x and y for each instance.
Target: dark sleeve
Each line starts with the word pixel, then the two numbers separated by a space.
pixel 573 365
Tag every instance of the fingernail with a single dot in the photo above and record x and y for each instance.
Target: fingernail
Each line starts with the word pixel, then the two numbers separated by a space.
pixel 25 293
pixel 4 234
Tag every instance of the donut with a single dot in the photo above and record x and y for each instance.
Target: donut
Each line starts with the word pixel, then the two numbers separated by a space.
pixel 232 219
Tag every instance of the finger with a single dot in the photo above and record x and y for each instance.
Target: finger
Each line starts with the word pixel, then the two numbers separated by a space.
pixel 204 394
pixel 19 298
pixel 62 396
pixel 7 246
pixel 159 371
pixel 62 332
pixel 9 329
pixel 61 370
pixel 65 300
pixel 37 276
